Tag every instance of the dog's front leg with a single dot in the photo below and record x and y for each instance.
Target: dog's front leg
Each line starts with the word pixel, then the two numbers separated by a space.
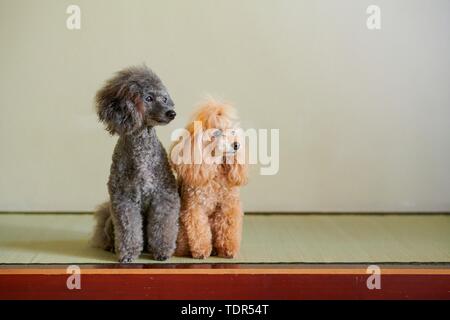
pixel 196 224
pixel 128 233
pixel 162 225
pixel 227 230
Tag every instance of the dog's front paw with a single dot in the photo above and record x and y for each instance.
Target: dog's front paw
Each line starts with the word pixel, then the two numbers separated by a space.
pixel 201 253
pixel 196 255
pixel 228 253
pixel 126 260
pixel 161 256
pixel 127 257
pixel 162 253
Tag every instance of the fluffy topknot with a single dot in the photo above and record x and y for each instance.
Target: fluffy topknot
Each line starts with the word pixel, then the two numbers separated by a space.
pixel 215 114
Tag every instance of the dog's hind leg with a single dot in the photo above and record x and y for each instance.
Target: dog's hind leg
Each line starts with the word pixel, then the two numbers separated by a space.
pixel 103 236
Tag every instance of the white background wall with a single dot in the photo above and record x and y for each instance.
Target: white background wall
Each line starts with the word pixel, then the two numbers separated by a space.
pixel 364 116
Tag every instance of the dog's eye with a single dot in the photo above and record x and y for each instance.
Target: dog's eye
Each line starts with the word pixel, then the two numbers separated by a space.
pixel 149 98
pixel 217 133
pixel 165 99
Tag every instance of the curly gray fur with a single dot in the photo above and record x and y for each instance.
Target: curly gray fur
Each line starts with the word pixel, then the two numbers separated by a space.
pixel 144 202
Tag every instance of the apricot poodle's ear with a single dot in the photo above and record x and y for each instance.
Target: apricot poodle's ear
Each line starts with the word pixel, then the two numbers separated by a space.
pixel 183 160
pixel 119 105
pixel 237 173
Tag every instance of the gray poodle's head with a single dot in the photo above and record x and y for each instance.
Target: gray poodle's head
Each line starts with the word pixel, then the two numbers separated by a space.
pixel 134 98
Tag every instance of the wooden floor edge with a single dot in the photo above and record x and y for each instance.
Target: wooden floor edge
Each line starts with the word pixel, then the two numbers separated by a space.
pixel 249 271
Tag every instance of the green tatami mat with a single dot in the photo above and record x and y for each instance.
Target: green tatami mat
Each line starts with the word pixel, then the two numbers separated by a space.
pixel 63 238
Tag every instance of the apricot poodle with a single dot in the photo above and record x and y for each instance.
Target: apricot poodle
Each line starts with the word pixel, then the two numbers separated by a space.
pixel 210 165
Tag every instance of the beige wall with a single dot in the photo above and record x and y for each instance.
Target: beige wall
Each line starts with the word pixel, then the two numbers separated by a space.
pixel 364 116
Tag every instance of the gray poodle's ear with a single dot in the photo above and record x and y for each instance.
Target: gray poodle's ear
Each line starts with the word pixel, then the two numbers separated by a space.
pixel 119 105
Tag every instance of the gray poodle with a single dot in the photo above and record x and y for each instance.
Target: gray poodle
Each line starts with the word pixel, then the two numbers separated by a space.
pixel 144 203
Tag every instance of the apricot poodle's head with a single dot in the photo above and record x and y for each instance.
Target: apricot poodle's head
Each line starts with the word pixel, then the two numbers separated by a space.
pixel 134 98
pixel 213 144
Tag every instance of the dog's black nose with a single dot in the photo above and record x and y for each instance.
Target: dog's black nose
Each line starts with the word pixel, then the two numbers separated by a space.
pixel 171 114
pixel 236 145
